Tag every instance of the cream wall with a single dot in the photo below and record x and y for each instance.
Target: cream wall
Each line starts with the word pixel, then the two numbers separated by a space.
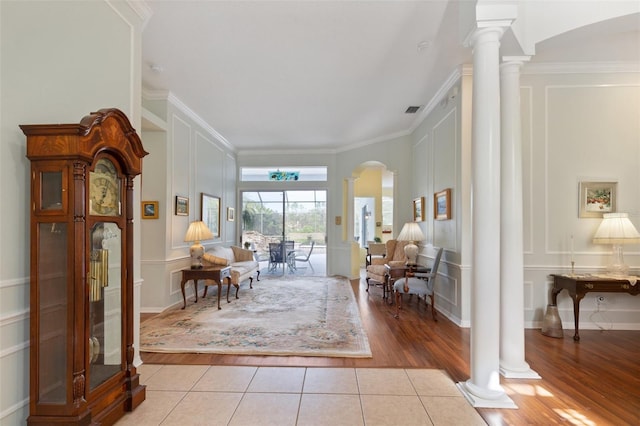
pixel 578 126
pixel 186 158
pixel 61 60
pixel 438 155
pixel 54 70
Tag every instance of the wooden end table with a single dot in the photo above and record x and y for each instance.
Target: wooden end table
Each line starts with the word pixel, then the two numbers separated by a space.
pixel 214 273
pixel 392 273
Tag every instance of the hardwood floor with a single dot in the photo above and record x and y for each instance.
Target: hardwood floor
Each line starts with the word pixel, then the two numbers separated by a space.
pixel 593 382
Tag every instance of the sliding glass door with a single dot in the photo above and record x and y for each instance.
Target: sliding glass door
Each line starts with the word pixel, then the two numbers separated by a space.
pixel 270 217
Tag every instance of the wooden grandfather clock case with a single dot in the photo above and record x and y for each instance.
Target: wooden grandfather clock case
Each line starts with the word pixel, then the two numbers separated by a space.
pixel 81 324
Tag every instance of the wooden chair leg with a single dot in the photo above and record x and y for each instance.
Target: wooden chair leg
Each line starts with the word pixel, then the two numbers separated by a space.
pixel 433 308
pixel 398 304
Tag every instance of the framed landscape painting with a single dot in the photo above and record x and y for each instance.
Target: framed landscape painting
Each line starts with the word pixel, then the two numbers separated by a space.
pixel 210 213
pixel 442 205
pixel 597 198
pixel 418 209
pixel 182 206
pixel 149 209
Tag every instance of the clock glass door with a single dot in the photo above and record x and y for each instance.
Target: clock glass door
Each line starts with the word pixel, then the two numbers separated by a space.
pixel 105 303
pixel 53 340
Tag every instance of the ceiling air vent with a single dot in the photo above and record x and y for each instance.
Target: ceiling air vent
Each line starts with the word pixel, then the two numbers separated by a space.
pixel 412 110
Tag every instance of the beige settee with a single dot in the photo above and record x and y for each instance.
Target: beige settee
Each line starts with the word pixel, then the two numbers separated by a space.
pixel 243 265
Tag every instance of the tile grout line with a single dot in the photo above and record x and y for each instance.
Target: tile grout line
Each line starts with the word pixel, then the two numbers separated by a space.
pixel 306 379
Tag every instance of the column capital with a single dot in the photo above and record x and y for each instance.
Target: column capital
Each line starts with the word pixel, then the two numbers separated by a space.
pixel 514 60
pixel 484 34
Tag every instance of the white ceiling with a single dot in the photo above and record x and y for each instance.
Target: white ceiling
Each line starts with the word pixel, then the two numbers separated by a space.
pixel 324 74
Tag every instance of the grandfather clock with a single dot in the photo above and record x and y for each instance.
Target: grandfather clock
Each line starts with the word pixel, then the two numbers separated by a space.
pixel 81 297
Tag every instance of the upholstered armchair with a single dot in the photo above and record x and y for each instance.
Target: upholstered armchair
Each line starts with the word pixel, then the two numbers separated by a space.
pixel 420 284
pixel 394 257
pixel 375 250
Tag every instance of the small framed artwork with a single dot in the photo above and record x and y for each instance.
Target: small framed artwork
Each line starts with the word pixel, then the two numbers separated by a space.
pixel 442 205
pixel 231 214
pixel 149 209
pixel 418 209
pixel 182 206
pixel 210 213
pixel 597 198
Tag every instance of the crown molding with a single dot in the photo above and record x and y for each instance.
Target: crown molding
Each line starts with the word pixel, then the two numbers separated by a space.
pixel 442 92
pixel 435 100
pixel 162 95
pixel 285 151
pixel 580 67
pixel 142 9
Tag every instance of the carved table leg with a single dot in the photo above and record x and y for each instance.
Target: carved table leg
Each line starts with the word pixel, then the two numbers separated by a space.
pixel 219 291
pixel 576 314
pixel 184 298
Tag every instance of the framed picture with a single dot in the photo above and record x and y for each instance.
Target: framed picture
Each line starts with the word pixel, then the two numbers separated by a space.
pixel 597 198
pixel 442 205
pixel 231 214
pixel 182 206
pixel 418 209
pixel 149 209
pixel 210 213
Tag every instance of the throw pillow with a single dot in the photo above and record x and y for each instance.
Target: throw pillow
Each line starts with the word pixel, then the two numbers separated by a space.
pixel 215 259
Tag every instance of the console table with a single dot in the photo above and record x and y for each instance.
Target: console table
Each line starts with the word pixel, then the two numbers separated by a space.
pixel 579 285
pixel 214 273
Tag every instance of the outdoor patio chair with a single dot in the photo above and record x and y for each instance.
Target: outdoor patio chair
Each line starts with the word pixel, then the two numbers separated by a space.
pixel 279 256
pixel 299 256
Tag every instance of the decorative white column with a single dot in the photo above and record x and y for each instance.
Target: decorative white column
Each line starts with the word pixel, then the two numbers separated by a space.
pixel 350 203
pixel 483 388
pixel 354 247
pixel 512 362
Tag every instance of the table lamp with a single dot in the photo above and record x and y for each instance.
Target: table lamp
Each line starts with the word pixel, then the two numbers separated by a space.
pixel 197 232
pixel 616 229
pixel 411 232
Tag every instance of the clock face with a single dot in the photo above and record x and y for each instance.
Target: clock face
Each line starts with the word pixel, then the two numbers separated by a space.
pixel 104 189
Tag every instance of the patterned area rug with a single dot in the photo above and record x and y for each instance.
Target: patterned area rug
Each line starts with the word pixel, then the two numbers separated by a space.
pixel 303 316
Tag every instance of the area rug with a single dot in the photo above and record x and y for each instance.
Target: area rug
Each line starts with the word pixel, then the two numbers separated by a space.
pixel 303 316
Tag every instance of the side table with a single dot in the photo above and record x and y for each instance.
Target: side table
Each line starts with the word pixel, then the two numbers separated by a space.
pixel 392 273
pixel 214 273
pixel 579 285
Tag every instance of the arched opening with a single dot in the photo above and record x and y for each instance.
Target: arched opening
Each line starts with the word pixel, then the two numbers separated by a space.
pixel 373 198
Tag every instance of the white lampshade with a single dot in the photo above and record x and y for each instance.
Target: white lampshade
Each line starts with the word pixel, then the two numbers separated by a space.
pixel 411 232
pixel 197 232
pixel 616 229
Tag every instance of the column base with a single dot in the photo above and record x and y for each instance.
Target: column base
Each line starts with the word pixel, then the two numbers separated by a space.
pixel 519 374
pixel 492 399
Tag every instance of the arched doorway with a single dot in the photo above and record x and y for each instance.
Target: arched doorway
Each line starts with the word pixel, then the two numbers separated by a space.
pixel 373 199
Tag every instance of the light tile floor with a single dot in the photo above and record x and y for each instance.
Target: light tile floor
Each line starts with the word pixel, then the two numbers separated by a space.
pixel 256 396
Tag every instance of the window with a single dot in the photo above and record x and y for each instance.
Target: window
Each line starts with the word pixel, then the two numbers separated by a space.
pixel 280 174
